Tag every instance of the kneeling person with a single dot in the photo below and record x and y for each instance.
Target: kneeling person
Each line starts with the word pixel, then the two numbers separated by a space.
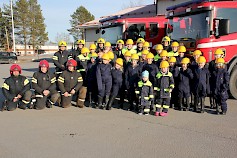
pixel 69 82
pixel 16 89
pixel 44 84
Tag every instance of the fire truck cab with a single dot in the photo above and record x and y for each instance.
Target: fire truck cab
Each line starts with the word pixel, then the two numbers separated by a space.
pixel 207 25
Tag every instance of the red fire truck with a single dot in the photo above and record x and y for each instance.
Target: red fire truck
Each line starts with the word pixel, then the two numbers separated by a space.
pixel 207 25
pixel 152 29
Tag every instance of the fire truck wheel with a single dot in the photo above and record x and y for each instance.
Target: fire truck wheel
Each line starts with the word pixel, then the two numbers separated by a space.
pixel 233 83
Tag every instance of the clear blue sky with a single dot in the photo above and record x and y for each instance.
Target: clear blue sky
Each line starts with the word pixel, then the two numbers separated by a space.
pixel 57 12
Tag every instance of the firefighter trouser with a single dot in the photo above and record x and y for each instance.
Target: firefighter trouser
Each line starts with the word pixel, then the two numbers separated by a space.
pixel 106 88
pixel 221 101
pixel 22 103
pixel 81 96
pixel 162 103
pixel 41 100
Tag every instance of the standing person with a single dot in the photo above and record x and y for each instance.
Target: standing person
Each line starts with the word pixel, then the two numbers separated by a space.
pixel 145 94
pixel 184 77
pixel 201 84
pixel 100 45
pixel 80 45
pixel 129 47
pixel 174 52
pixel 104 81
pixel 164 57
pixel 92 49
pixel 220 89
pixel 212 67
pixel 166 43
pixel 69 82
pixel 107 47
pixel 16 90
pixel 159 49
pixel 44 84
pixel 132 76
pixel 91 79
pixel 117 78
pixel 61 57
pixel 119 48
pixel 181 51
pixel 164 87
pixel 139 49
pixel 143 59
pixel 146 46
pixel 82 61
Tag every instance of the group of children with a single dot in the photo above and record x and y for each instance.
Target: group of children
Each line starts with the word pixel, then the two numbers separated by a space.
pixel 152 82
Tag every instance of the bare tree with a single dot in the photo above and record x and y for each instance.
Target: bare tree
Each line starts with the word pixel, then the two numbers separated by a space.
pixel 133 3
pixel 63 36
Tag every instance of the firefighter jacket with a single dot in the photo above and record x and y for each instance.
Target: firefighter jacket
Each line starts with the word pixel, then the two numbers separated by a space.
pixel 221 83
pixel 132 76
pixel 103 75
pixel 117 76
pixel 15 85
pixel 173 54
pixel 201 82
pixel 145 92
pixel 139 51
pixel 133 51
pixel 60 59
pixel 118 53
pixel 153 70
pixel 70 80
pixel 164 83
pixel 76 53
pixel 178 61
pixel 167 48
pixel 44 81
pixel 82 62
pixel 183 78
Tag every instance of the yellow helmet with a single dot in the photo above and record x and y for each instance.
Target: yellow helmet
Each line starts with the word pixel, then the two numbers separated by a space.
pixel 94 55
pixel 81 42
pixel 127 54
pixel 182 49
pixel 111 55
pixel 101 40
pixel 197 52
pixel 185 61
pixel 172 60
pixel 140 40
pixel 62 44
pixel 174 44
pixel 150 56
pixel 219 52
pixel 129 41
pixel 146 44
pixel 85 50
pixel 92 46
pixel 145 52
pixel 220 60
pixel 120 42
pixel 107 44
pixel 159 47
pixel 201 59
pixel 164 53
pixel 119 61
pixel 105 56
pixel 166 39
pixel 135 57
pixel 164 64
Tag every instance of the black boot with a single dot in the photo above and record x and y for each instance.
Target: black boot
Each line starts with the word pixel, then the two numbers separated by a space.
pixel 106 101
pixel 217 109
pixel 100 100
pixel 180 104
pixel 111 100
pixel 202 104
pixel 196 100
pixel 90 99
pixel 188 103
pixel 4 106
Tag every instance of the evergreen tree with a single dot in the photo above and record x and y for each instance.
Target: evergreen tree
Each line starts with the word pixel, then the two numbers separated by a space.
pixel 79 17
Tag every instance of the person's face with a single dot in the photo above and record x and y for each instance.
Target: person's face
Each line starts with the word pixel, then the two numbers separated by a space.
pixel 144 79
pixel 100 54
pixel 171 64
pixel 196 57
pixel 175 49
pixel 181 54
pixel 93 60
pixel 184 66
pixel 159 51
pixel 134 62
pixel 117 66
pixel 217 56
pixel 101 45
pixel 16 73
pixel 144 56
pixel 62 48
pixel 71 68
pixel 127 58
pixel 145 48
pixel 164 58
pixel 44 69
pixel 140 45
pixel 166 43
pixel 80 46
pixel 120 46
pixel 107 48
pixel 92 51
pixel 219 65
pixel 149 61
pixel 129 46
pixel 164 70
pixel 201 65
pixel 105 61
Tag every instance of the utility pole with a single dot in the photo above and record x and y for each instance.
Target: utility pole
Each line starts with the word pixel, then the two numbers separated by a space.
pixel 7 39
pixel 13 31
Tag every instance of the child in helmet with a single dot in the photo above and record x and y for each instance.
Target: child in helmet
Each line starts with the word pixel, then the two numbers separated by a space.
pixel 69 82
pixel 139 49
pixel 92 49
pixel 201 84
pixel 107 47
pixel 181 51
pixel 16 90
pixel 132 76
pixel 145 94
pixel 117 77
pixel 158 48
pixel 104 80
pixel 221 85
pixel 183 76
pixel 44 84
pixel 119 48
pixel 100 45
pixel 129 47
pixel 143 59
pixel 174 52
pixel 164 57
pixel 164 87
pixel 146 46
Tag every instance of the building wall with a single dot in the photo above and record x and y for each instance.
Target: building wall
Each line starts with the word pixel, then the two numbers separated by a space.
pixel 91 36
